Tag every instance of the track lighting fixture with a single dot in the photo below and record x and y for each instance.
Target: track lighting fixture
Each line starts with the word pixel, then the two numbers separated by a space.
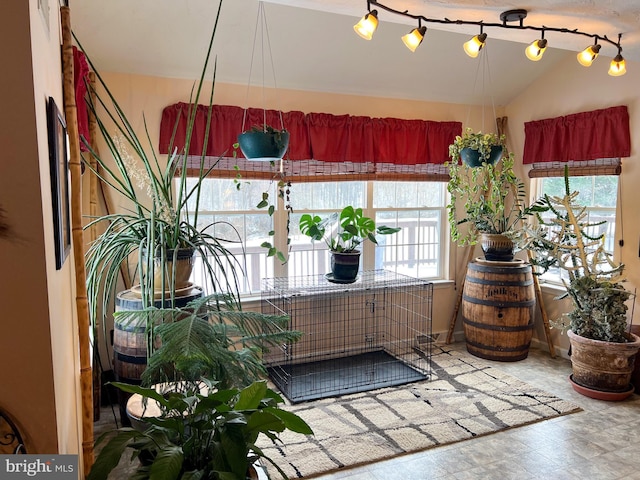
pixel 367 25
pixel 414 38
pixel 589 54
pixel 473 46
pixel 618 66
pixel 510 19
pixel 535 51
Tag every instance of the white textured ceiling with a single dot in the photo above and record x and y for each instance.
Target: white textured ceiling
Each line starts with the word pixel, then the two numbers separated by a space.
pixel 314 48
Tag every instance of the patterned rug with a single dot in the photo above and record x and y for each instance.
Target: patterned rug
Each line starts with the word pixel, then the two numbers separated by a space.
pixel 465 398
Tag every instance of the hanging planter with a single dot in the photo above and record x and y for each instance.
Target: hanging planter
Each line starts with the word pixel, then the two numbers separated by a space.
pixel 477 148
pixel 473 157
pixel 264 144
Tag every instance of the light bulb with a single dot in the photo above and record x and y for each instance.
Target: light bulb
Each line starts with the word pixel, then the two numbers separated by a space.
pixel 473 46
pixel 414 38
pixel 588 55
pixel 535 51
pixel 367 25
pixel 617 66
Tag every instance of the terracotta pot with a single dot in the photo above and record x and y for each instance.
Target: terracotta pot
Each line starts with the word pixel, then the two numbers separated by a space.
pixel 635 379
pixel 496 247
pixel 471 157
pixel 603 366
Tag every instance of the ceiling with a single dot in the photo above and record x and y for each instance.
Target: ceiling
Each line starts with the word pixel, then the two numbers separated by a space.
pixel 314 48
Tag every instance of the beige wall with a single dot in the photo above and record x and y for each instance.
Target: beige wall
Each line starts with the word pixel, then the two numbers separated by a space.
pixel 571 88
pixel 39 376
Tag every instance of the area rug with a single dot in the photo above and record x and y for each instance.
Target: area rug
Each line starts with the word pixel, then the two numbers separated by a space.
pixel 465 398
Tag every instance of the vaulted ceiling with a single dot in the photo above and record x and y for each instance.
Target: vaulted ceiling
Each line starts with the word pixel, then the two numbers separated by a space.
pixel 314 47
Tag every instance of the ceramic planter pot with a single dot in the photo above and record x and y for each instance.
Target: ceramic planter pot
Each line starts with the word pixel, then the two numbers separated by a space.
pixel 183 267
pixel 345 266
pixel 497 247
pixel 471 157
pixel 603 366
pixel 264 146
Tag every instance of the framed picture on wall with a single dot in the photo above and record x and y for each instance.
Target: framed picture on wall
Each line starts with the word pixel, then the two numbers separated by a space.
pixel 59 171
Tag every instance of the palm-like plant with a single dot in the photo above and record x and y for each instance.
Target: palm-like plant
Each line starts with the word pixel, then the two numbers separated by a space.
pixel 210 338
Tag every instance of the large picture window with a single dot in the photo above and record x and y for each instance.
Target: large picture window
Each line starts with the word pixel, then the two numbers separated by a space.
pixel 417 207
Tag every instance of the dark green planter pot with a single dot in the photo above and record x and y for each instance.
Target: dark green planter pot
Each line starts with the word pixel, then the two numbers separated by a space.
pixel 264 146
pixel 345 266
pixel 472 158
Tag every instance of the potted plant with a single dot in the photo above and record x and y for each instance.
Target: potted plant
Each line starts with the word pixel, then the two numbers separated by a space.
pixel 264 143
pixel 209 337
pixel 477 148
pixel 494 204
pixel 343 238
pixel 153 232
pixel 208 433
pixel 603 350
pixel 153 236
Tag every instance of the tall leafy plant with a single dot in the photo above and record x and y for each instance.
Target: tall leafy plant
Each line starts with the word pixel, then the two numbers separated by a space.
pixel 492 199
pixel 157 222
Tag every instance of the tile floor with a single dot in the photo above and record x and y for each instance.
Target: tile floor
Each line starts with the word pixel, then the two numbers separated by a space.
pixel 600 443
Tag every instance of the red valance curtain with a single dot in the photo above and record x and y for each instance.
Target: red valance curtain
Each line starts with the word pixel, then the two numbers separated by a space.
pixel 316 136
pixel 80 79
pixel 226 124
pixel 582 136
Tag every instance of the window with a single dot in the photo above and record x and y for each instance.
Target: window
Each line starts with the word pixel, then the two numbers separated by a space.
pixel 417 207
pixel 599 194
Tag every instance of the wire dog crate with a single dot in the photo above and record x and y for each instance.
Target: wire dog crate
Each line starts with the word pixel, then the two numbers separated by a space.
pixel 373 333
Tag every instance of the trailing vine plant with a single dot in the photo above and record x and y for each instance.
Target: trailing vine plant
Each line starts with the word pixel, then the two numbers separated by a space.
pixel 284 192
pixel 493 196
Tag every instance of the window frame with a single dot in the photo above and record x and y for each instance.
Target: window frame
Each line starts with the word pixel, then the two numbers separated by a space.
pixel 553 278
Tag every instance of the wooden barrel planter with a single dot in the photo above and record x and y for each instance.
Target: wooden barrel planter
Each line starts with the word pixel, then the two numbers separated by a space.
pixel 498 307
pixel 130 339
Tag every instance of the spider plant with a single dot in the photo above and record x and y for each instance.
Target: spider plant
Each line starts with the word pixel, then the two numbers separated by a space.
pixel 156 222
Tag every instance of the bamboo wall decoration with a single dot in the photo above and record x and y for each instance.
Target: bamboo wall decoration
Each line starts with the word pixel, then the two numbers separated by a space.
pixel 93 234
pixel 82 306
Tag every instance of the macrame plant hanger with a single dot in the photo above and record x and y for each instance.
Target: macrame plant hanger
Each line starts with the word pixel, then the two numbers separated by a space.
pixel 278 140
pixel 267 144
pixel 481 68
